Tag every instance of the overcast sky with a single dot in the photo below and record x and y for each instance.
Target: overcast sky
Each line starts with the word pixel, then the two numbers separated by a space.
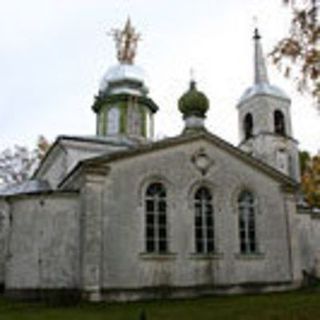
pixel 53 54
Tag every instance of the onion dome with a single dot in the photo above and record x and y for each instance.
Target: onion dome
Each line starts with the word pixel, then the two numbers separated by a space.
pixel 122 105
pixel 193 103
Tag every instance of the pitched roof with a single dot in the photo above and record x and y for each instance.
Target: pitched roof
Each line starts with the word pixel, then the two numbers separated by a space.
pixel 26 187
pixel 107 141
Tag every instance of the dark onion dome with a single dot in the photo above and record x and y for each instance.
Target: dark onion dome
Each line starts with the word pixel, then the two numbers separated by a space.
pixel 193 102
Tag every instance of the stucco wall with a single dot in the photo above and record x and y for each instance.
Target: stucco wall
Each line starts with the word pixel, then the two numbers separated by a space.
pixel 125 263
pixel 308 228
pixel 4 224
pixel 43 242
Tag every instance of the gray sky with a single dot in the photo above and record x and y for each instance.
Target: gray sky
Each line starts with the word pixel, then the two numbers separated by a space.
pixel 53 54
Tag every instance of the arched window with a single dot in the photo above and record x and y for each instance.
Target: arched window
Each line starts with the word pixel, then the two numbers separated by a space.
pixel 279 123
pixel 134 119
pixel 113 121
pixel 204 223
pixel 248 126
pixel 156 218
pixel 247 228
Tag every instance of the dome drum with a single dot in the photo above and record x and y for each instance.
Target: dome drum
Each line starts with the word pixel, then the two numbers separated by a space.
pixel 102 100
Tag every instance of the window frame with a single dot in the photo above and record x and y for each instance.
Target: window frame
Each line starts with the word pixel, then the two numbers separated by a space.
pixel 156 219
pixel 113 121
pixel 204 221
pixel 247 223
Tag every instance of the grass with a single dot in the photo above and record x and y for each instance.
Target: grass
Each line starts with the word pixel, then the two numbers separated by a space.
pixel 298 305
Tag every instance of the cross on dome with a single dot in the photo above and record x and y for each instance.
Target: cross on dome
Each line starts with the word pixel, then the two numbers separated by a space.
pixel 260 70
pixel 126 43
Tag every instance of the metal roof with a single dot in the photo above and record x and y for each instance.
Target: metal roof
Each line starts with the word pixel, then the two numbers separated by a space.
pixel 29 186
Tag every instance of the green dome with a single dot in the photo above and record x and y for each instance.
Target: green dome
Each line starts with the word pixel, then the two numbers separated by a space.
pixel 193 102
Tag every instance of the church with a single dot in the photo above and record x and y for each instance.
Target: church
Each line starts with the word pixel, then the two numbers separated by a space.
pixel 118 216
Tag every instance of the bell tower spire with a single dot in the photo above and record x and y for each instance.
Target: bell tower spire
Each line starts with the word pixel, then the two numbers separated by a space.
pixel 265 120
pixel 260 70
pixel 126 43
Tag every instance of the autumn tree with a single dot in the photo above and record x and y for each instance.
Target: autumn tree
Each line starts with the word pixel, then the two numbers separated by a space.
pixel 304 159
pixel 311 181
pixel 18 163
pixel 298 54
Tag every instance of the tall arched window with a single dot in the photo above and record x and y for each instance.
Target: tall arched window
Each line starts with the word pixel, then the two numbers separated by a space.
pixel 134 119
pixel 248 126
pixel 279 123
pixel 113 123
pixel 156 218
pixel 204 223
pixel 247 228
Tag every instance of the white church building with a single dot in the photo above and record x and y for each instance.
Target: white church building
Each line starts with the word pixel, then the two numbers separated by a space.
pixel 119 216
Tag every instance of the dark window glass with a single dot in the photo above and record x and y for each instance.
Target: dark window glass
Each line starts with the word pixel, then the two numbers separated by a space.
pixel 150 219
pixel 210 247
pixel 199 234
pixel 210 220
pixel 162 246
pixel 279 123
pixel 150 246
pixel 199 246
pixel 248 126
pixel 210 233
pixel 150 233
pixel 252 246
pixel 162 233
pixel 162 206
pixel 150 206
pixel 162 219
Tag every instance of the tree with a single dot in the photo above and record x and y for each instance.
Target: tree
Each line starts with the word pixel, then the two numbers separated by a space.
pixel 43 146
pixel 311 181
pixel 298 54
pixel 18 164
pixel 304 159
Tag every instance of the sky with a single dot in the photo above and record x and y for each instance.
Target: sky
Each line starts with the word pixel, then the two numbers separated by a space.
pixel 53 54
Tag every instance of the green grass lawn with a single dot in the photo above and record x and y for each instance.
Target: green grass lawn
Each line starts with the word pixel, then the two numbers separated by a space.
pixel 299 305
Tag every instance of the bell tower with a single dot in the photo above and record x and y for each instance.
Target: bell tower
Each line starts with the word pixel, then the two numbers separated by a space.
pixel 265 121
pixel 122 106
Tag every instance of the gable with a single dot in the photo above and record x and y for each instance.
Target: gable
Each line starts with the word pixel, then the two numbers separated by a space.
pixel 186 148
pixel 68 151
